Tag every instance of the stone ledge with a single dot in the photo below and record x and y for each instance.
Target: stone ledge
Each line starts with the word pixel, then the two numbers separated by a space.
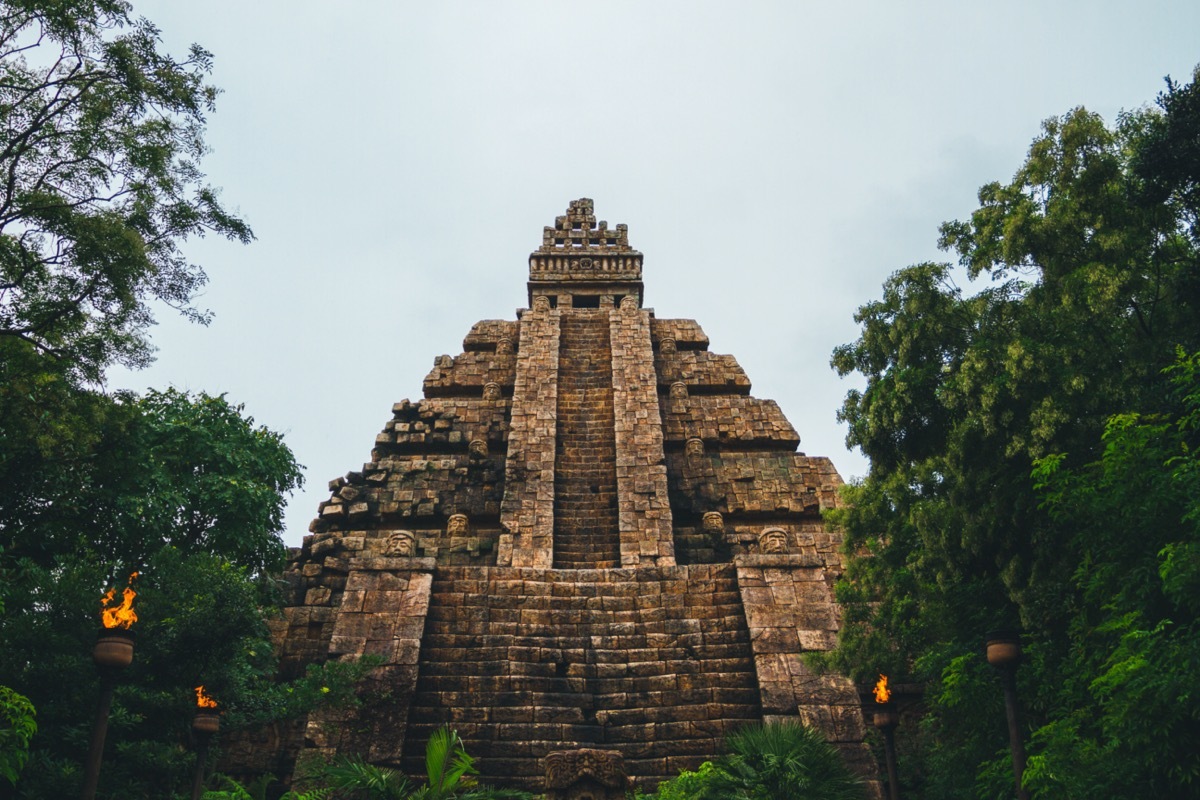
pixel 377 564
pixel 778 560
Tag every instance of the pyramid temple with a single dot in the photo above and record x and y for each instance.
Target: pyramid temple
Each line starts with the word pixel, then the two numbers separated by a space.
pixel 589 550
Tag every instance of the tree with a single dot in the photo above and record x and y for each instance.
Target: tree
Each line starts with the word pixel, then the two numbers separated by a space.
pixel 100 139
pixel 163 469
pixel 99 182
pixel 1133 517
pixel 189 493
pixel 1091 255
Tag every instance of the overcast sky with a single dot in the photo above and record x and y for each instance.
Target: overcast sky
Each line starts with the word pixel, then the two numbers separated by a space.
pixel 775 162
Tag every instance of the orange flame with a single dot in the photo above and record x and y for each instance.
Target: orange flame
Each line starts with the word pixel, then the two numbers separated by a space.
pixel 882 693
pixel 203 700
pixel 119 616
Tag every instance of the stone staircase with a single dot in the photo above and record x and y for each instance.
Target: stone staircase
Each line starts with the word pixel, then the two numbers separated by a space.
pixel 653 662
pixel 585 473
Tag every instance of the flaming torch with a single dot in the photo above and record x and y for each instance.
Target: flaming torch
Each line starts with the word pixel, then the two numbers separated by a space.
pixel 886 719
pixel 204 725
pixel 206 719
pixel 112 653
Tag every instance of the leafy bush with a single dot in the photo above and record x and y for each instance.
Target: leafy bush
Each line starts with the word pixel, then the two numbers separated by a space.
pixel 785 761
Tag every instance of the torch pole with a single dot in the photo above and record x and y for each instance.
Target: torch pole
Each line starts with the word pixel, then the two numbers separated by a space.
pixel 886 719
pixel 206 723
pixel 108 684
pixel 889 752
pixel 201 757
pixel 1008 679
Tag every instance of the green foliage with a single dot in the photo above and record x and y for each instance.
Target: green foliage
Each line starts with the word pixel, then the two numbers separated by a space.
pixel 167 469
pixel 355 778
pixel 1031 444
pixel 1134 518
pixel 100 144
pixel 258 791
pixel 18 724
pixel 446 764
pixel 189 492
pixel 785 761
pixel 448 769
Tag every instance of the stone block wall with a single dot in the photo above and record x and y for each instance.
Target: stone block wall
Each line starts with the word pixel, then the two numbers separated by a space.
pixel 382 614
pixel 790 611
pixel 527 513
pixel 701 371
pixel 645 511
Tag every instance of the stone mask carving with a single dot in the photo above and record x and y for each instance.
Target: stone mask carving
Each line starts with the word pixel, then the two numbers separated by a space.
pixel 679 390
pixel 491 391
pixel 694 447
pixel 712 522
pixel 541 303
pixel 401 544
pixel 667 346
pixel 458 525
pixel 478 448
pixel 773 540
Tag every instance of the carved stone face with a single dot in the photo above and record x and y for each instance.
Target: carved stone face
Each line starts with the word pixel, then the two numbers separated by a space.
pixel 679 390
pixel 401 544
pixel 491 391
pixel 667 346
pixel 712 522
pixel 458 525
pixel 694 447
pixel 629 303
pixel 773 540
pixel 504 345
pixel 478 448
pixel 541 303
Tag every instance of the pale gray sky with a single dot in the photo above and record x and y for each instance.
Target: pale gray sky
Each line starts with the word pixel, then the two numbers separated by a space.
pixel 775 162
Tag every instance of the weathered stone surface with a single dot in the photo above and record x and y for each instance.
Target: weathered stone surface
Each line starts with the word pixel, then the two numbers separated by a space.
pixel 587 544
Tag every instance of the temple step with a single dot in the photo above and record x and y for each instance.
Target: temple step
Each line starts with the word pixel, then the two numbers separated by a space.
pixel 585 475
pixel 655 663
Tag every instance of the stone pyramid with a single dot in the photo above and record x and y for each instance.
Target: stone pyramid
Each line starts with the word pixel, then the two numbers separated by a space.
pixel 588 536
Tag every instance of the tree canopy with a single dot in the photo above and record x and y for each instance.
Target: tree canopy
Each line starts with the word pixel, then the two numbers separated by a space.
pixel 1031 443
pixel 100 139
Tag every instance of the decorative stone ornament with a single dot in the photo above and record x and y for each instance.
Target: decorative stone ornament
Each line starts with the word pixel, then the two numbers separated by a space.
pixel 541 303
pixel 458 525
pixel 491 391
pixel 773 541
pixel 629 304
pixel 679 390
pixel 478 448
pixel 667 347
pixel 504 346
pixel 693 447
pixel 586 774
pixel 712 523
pixel 401 544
